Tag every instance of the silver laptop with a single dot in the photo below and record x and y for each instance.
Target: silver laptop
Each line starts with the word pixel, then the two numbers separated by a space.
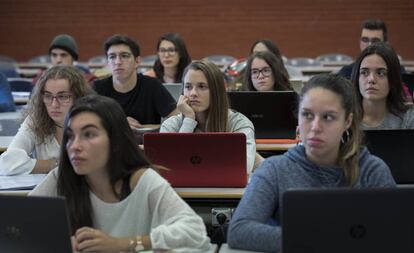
pixel 175 89
pixel 34 224
pixel 348 220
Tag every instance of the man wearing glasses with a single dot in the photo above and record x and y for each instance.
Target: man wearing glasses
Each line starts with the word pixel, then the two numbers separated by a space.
pixel 144 99
pixel 373 30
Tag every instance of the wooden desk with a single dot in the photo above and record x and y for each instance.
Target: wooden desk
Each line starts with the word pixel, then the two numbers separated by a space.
pixel 314 70
pixel 210 193
pixel 225 248
pixel 32 65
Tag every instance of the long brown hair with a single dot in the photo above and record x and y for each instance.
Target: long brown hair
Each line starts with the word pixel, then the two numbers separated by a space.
pixel 219 105
pixel 41 124
pixel 349 149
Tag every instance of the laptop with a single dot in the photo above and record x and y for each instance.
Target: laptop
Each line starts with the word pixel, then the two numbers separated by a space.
pixel 272 113
pixel 199 159
pixel 34 224
pixel 408 79
pixel 348 220
pixel 396 148
pixel 175 89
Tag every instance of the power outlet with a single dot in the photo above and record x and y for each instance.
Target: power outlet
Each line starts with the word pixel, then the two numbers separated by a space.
pixel 220 216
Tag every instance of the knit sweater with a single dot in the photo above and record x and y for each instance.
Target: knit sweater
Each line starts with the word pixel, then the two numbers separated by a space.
pixel 261 202
pixel 391 121
pixel 152 208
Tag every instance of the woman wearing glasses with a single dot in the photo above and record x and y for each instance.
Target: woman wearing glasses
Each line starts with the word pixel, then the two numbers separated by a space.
pixel 172 58
pixel 265 72
pixel 377 76
pixel 35 148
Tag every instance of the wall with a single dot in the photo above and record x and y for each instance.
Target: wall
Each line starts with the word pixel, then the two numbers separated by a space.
pixel 299 27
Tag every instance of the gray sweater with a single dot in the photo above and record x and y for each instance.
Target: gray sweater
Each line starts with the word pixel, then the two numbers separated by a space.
pixel 391 121
pixel 249 228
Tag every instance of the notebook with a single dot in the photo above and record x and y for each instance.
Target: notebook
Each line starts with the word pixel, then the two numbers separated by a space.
pixel 175 89
pixel 272 113
pixel 348 220
pixel 199 159
pixel 396 148
pixel 34 224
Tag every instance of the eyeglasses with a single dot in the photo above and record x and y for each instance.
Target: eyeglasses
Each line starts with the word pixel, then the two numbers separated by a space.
pixel 170 51
pixel 122 57
pixel 255 73
pixel 60 98
pixel 367 40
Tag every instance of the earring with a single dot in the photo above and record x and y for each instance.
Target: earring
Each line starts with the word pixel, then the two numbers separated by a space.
pixel 344 140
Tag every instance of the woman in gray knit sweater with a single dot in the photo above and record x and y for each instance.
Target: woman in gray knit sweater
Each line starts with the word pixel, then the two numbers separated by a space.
pixel 377 76
pixel 330 157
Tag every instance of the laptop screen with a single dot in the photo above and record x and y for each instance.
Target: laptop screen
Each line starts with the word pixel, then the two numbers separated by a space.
pixel 272 113
pixel 348 220
pixel 395 147
pixel 34 224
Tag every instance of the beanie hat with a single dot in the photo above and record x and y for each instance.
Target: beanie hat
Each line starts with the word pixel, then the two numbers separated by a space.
pixel 67 43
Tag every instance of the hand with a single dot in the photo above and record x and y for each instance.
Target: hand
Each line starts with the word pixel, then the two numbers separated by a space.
pixel 133 123
pixel 184 108
pixel 88 239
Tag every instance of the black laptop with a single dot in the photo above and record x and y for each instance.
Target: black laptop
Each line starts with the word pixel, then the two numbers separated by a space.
pixel 348 220
pixel 34 224
pixel 396 148
pixel 273 113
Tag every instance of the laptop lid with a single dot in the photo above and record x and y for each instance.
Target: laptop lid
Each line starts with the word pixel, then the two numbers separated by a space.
pixel 199 159
pixel 34 224
pixel 272 113
pixel 348 220
pixel 395 147
pixel 175 89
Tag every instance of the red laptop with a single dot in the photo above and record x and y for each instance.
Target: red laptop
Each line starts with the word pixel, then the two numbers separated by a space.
pixel 199 159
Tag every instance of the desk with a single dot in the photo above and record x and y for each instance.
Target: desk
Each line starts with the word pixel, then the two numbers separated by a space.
pixel 314 70
pixel 225 248
pixel 5 142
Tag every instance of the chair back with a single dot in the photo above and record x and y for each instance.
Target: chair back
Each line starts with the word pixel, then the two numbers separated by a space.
pixel 6 98
pixel 21 84
pixel 302 62
pixel 9 69
pixel 41 59
pixel 334 58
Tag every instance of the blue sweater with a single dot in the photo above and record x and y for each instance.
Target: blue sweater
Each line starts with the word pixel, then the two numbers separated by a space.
pixel 250 229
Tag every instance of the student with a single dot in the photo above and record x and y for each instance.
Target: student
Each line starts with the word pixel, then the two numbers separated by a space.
pixel 144 99
pixel 63 50
pixel 330 157
pixel 265 45
pixel 117 202
pixel 265 72
pixel 35 148
pixel 373 31
pixel 172 58
pixel 377 77
pixel 204 107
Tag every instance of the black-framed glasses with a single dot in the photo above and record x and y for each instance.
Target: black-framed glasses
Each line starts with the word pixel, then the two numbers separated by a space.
pixel 125 56
pixel 367 40
pixel 63 98
pixel 266 72
pixel 170 51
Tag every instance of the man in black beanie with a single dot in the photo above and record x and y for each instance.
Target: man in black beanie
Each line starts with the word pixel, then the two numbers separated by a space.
pixel 63 50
